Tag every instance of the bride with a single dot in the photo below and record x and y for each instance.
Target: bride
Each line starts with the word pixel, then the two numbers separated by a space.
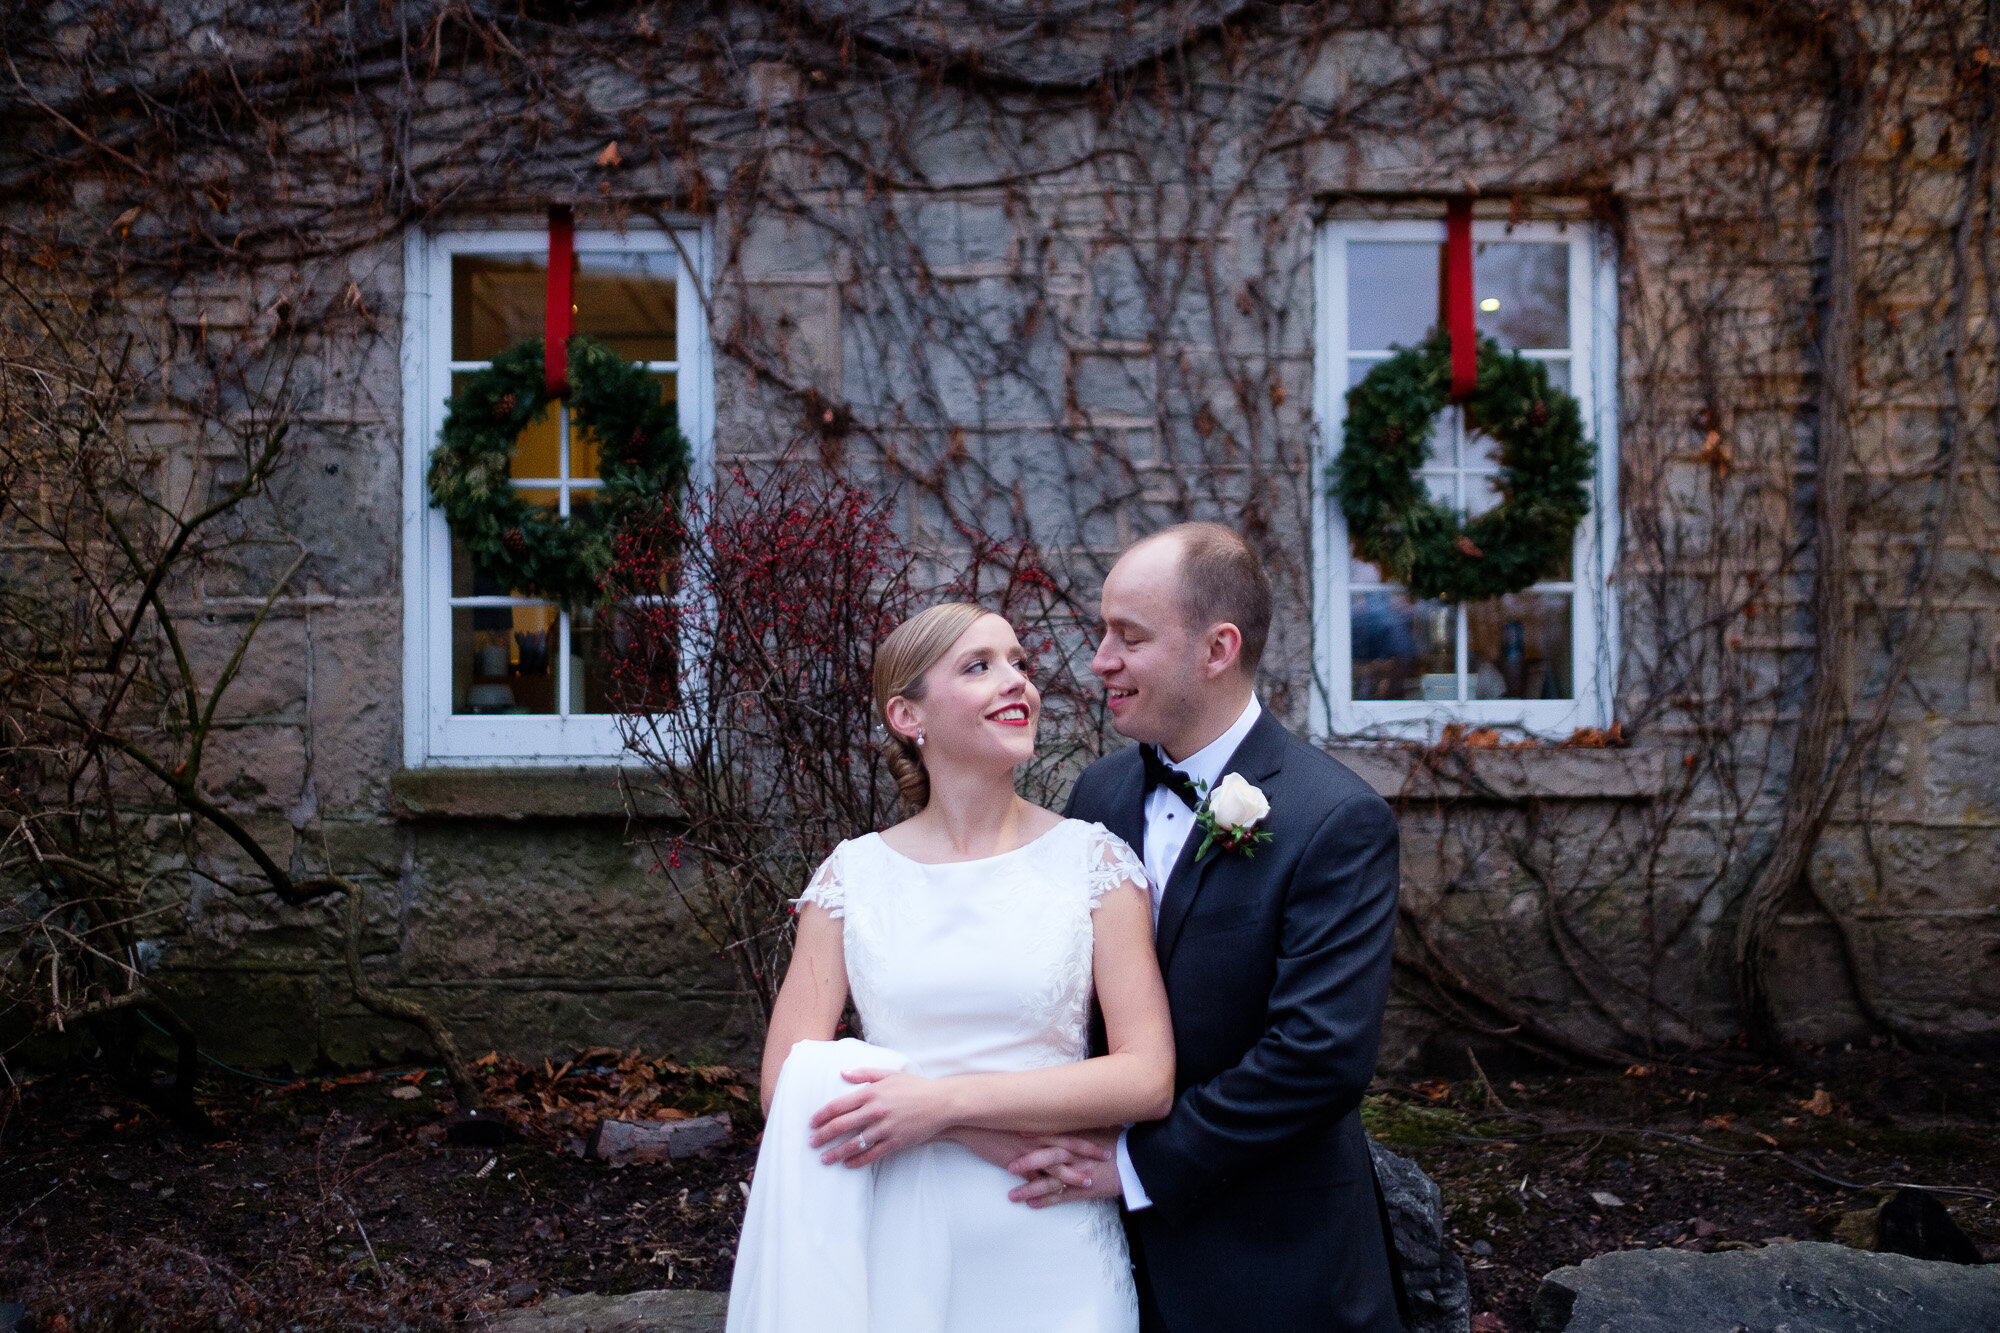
pixel 970 937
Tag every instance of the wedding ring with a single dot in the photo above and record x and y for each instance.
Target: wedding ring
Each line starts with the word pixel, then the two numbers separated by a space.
pixel 861 1141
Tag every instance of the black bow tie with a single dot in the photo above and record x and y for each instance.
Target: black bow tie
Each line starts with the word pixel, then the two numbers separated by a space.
pixel 1160 774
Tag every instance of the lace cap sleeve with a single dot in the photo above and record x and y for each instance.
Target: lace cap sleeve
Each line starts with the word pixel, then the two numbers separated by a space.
pixel 1109 861
pixel 827 889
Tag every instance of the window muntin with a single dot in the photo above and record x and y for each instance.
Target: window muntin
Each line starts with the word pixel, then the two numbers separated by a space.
pixel 495 675
pixel 1392 666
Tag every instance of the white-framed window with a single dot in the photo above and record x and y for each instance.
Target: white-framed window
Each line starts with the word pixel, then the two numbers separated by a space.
pixel 1542 659
pixel 491 676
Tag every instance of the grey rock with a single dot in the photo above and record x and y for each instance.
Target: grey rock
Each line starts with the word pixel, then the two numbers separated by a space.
pixel 639 1142
pixel 1913 1222
pixel 1806 1288
pixel 638 1312
pixel 1433 1272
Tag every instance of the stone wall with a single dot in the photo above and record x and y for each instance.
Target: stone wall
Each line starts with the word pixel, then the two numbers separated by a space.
pixel 1058 379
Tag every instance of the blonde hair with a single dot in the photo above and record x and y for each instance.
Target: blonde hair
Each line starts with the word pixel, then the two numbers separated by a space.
pixel 901 660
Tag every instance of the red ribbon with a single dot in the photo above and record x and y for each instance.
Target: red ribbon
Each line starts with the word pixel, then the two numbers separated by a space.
pixel 1458 317
pixel 561 313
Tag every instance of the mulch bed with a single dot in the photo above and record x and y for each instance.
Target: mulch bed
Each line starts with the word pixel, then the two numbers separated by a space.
pixel 297 1185
pixel 1542 1172
pixel 113 1218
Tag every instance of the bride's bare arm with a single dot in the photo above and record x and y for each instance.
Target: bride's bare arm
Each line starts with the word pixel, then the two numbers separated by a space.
pixel 1134 1081
pixel 814 992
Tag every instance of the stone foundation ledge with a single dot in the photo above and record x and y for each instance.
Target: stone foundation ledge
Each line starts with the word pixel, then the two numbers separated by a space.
pixel 565 792
pixel 1558 773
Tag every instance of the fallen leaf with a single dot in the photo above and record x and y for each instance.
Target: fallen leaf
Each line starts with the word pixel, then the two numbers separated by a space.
pixel 1820 1103
pixel 1767 1138
pixel 1638 1071
pixel 123 222
pixel 406 1092
pixel 609 157
pixel 1436 1089
pixel 1604 1199
pixel 1723 1121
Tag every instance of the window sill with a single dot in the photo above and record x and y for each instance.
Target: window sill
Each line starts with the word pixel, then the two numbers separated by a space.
pixel 1402 772
pixel 578 792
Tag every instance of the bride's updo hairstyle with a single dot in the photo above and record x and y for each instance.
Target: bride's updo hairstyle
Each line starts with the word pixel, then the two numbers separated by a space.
pixel 901 660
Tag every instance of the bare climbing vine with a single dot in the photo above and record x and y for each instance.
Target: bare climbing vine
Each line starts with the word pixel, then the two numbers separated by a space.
pixel 1046 275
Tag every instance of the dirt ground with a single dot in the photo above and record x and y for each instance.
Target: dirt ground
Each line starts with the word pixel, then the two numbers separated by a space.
pixel 344 1204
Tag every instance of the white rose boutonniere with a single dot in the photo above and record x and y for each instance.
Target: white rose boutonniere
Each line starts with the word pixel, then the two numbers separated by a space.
pixel 1229 815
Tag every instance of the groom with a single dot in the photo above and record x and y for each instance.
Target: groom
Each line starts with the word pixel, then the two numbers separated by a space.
pixel 1252 1206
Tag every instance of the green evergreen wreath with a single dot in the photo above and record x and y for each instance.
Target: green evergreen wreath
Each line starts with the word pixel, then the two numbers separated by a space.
pixel 642 458
pixel 1545 466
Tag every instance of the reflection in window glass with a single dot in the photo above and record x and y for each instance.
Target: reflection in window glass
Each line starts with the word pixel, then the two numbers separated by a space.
pixel 1403 650
pixel 496 301
pixel 1520 293
pixel 1520 646
pixel 1392 293
pixel 627 300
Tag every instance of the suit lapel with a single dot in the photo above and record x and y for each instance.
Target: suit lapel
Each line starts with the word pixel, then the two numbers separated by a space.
pixel 1125 805
pixel 1258 759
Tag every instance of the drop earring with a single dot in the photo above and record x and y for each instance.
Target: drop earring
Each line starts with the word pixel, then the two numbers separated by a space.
pixel 920 735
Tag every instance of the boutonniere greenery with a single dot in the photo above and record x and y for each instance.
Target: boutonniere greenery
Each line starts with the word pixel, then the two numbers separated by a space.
pixel 1229 815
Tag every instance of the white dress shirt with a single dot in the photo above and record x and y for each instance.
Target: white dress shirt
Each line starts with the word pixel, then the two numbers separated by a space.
pixel 1169 823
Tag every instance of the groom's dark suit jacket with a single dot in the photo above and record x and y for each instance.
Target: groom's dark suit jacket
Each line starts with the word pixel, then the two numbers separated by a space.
pixel 1264 1210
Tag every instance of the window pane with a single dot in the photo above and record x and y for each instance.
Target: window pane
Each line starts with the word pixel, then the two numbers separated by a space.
pixel 628 301
pixel 1482 492
pixel 1521 290
pixel 1392 292
pixel 589 672
pixel 1400 650
pixel 1520 646
pixel 502 659
pixel 1442 487
pixel 496 302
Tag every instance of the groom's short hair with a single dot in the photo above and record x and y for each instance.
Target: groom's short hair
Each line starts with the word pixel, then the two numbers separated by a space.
pixel 1222 579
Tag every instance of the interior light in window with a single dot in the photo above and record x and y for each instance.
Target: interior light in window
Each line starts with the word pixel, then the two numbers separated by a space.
pixel 1490 304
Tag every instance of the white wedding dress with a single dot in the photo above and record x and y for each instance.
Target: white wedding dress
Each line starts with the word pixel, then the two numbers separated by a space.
pixel 973 967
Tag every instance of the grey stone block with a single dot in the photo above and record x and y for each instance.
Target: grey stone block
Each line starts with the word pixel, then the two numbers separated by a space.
pixel 638 1312
pixel 1433 1273
pixel 1809 1288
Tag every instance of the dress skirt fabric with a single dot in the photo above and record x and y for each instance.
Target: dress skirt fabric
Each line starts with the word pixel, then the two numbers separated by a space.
pixel 925 1241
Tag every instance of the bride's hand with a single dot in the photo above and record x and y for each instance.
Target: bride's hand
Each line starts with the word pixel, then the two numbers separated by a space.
pixel 893 1112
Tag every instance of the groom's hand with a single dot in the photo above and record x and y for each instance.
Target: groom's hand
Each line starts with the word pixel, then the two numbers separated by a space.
pixel 1065 1168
